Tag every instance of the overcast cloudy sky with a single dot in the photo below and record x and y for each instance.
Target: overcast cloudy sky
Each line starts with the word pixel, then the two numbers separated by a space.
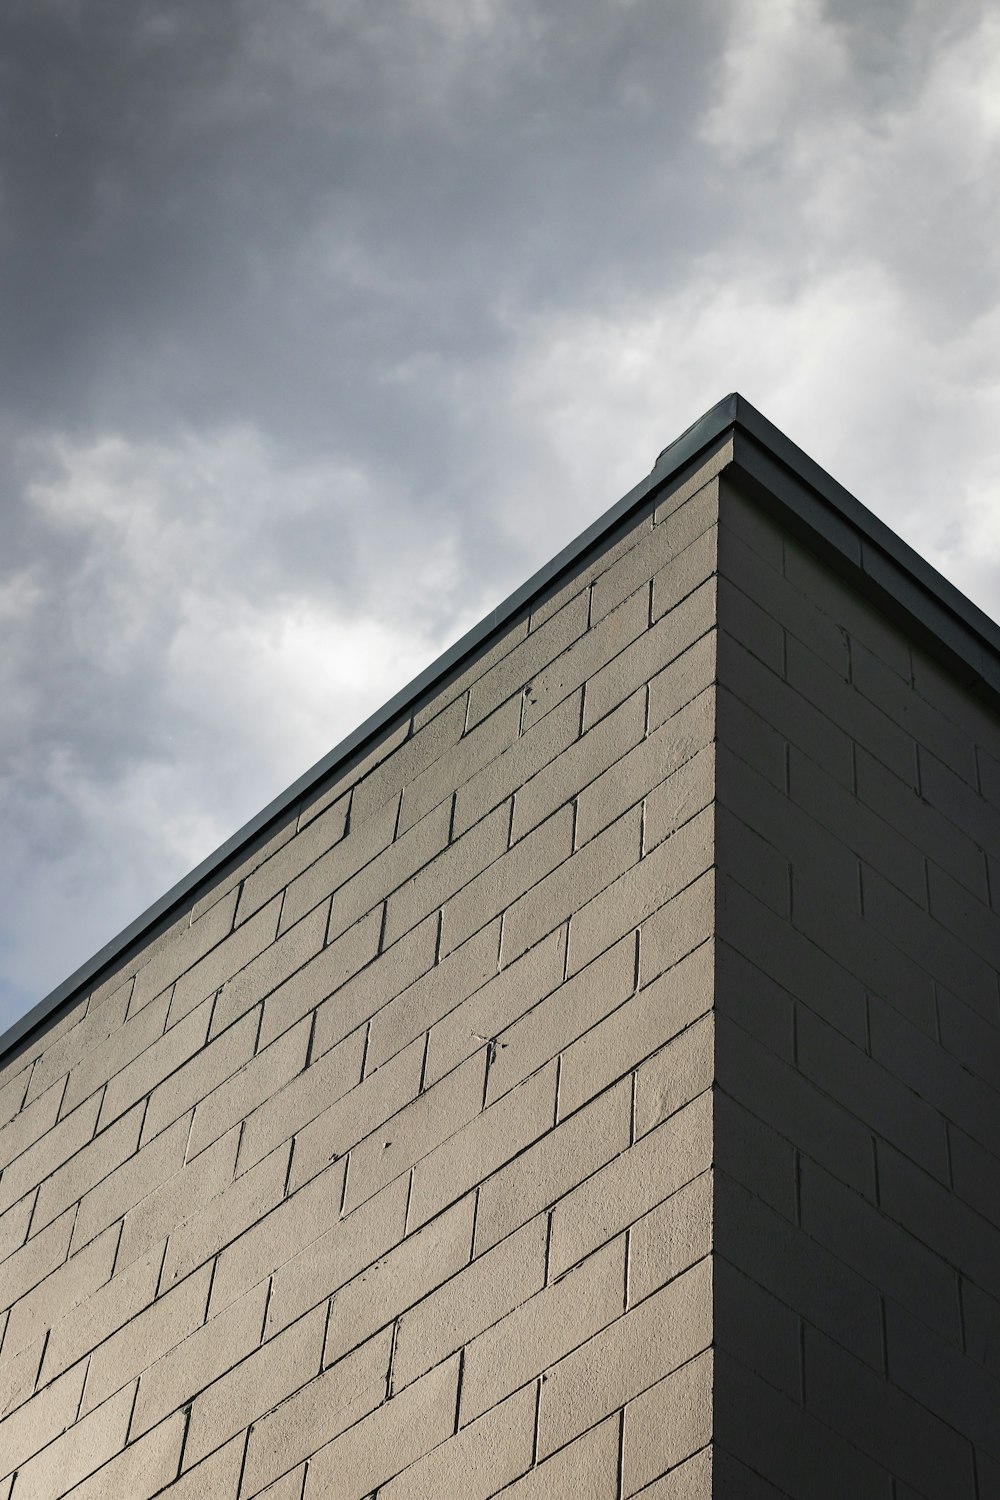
pixel 323 324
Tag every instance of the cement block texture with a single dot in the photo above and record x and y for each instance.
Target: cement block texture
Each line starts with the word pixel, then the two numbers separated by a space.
pixel 592 1091
pixel 386 1171
pixel 858 1029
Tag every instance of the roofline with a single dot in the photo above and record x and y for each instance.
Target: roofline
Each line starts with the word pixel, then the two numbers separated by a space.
pixel 784 478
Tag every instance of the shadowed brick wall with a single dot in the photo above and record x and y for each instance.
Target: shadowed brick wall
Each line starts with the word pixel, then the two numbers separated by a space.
pixel 592 1092
pixel 386 1170
pixel 857 1132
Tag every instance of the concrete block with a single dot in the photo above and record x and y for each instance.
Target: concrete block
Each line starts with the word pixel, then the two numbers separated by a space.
pixel 236 1097
pixel 643 889
pixel 211 1066
pixel 324 1407
pixel 483 1455
pixel 545 1030
pixel 792 960
pixel 550 900
pixel 756 628
pixel 763 1161
pixel 19 1375
pixel 553 1166
pixel 681 797
pixel 679 577
pixel 106 1310
pixel 342 960
pixel 497 1005
pixel 632 1032
pixel 633 772
pixel 631 1184
pixel 157 1062
pixel 886 1424
pixel 433 739
pixel 48 1153
pixel 40 1421
pixel 790 713
pixel 969 918
pixel 40 1300
pixel 479 748
pixel 671 1237
pixel 87 1445
pixel 667 1424
pixel 789 1447
pixel 376 986
pixel 333 1258
pixel 943 735
pixel 128 1042
pixel 750 737
pixel 90 1165
pixel 587 1469
pixel 932 947
pixel 939 1218
pixel 366 843
pixel 129 1183
pixel 224 961
pixel 14 1223
pixel 217 1347
pixel 143 1469
pixel 537 1334
pixel 294 1223
pixel 224 1217
pixel 487 893
pixel 175 1198
pixel 510 675
pixel 269 969
pixel 827 591
pixel 434 994
pixel 406 1275
pixel 884 1252
pixel 602 643
pixel 871 1088
pixel 976 1174
pixel 693 1478
pixel 632 668
pixel 235 877
pixel 182 949
pixel 791 1263
pixel 164 1324
pixel 625 1359
pixel 482 1145
pixel 218 1475
pixel 683 679
pixel 585 762
pixel 974 815
pixel 969 1038
pixel 356 1114
pixel 439 878
pixel 302 1100
pixel 754 1000
pixel 546 740
pixel 254 1386
pixel 475 1299
pixel 675 1075
pixel 758 1329
pixel 942 1379
pixel 415 1131
pixel 88 1042
pixel 294 855
pixel 380 1446
pixel 792 1106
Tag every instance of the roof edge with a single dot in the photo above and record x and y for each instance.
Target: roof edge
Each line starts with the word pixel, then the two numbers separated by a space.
pixel 844 530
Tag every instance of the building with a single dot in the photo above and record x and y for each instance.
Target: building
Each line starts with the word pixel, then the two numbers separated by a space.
pixel 585 1083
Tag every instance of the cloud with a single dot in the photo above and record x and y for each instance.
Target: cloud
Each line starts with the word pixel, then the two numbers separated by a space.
pixel 324 328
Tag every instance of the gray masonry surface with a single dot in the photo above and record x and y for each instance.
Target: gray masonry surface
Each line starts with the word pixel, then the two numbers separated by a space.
pixel 589 1088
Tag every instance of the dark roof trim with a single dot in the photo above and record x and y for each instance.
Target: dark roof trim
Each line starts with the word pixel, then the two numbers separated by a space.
pixel 785 480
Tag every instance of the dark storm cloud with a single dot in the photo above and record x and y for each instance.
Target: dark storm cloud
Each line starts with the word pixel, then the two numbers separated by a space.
pixel 322 324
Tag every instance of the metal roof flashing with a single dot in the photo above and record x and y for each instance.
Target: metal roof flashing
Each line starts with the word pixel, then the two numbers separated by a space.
pixel 779 476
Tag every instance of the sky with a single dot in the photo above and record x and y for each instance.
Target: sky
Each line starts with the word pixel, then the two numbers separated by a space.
pixel 323 325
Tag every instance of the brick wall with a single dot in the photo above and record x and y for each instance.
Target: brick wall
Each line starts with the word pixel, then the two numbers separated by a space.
pixel 857 1206
pixel 590 1092
pixel 386 1170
